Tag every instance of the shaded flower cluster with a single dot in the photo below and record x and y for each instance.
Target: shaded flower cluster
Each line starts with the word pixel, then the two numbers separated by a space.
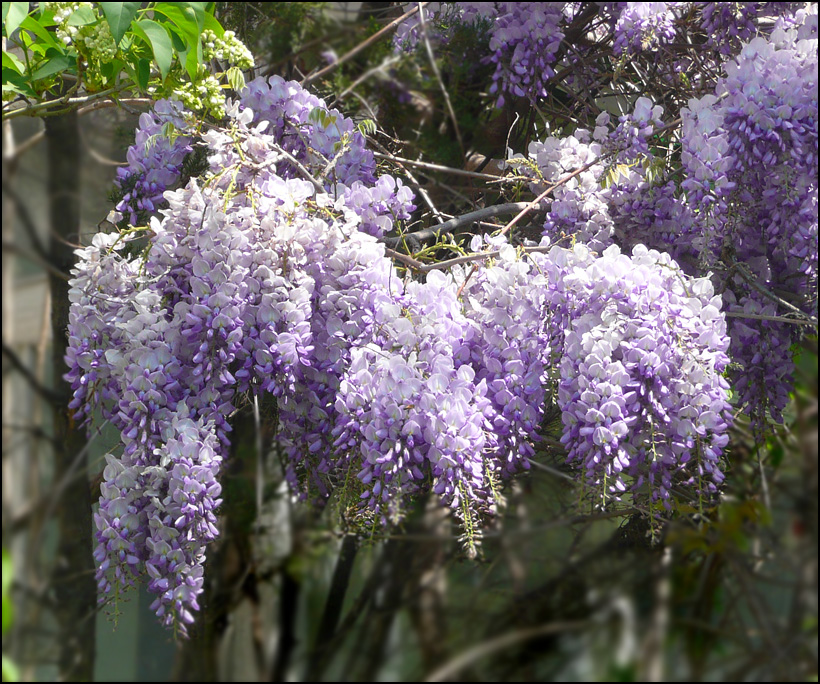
pixel 523 44
pixel 524 40
pixel 154 160
pixel 728 24
pixel 750 156
pixel 439 18
pixel 643 26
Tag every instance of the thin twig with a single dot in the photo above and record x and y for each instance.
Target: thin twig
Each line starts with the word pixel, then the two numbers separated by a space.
pixel 361 46
pixel 422 191
pixel 449 263
pixel 551 470
pixel 40 109
pixel 36 258
pixel 28 222
pixel 293 160
pixel 486 648
pixel 749 278
pixel 776 319
pixel 458 221
pixel 437 73
pixel 28 143
pixel 443 169
pixel 367 74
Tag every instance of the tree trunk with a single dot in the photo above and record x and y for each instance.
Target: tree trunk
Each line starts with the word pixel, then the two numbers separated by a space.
pixel 73 580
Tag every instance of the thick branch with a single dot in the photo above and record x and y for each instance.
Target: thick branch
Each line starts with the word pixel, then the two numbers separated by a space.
pixel 333 608
pixel 434 232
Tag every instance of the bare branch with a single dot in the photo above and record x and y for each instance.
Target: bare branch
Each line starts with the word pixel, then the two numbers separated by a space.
pixel 437 74
pixel 434 231
pixel 777 319
pixel 361 46
pixel 27 221
pixel 36 258
pixel 443 169
pixel 52 397
pixel 486 648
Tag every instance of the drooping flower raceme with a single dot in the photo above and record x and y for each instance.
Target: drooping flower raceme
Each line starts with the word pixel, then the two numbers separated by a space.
pixel 154 160
pixel 642 391
pixel 263 274
pixel 750 156
pixel 643 26
pixel 578 209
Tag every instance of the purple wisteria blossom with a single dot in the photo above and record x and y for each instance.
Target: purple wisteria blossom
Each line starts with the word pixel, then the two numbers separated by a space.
pixel 750 155
pixel 643 26
pixel 642 391
pixel 154 160
pixel 266 275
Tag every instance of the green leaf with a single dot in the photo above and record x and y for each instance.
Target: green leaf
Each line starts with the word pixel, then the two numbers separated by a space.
pixel 159 40
pixel 235 78
pixel 10 671
pixel 15 83
pixel 46 16
pixel 10 61
pixel 193 59
pixel 183 17
pixel 32 25
pixel 82 16
pixel 367 127
pixel 212 24
pixel 178 39
pixel 13 15
pixel 119 16
pixel 111 69
pixel 8 575
pixel 322 117
pixel 196 10
pixel 143 73
pixel 55 64
pixel 169 131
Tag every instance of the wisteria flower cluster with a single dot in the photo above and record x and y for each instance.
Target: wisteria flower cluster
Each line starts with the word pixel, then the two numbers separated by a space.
pixel 154 160
pixel 255 282
pixel 728 24
pixel 642 26
pixel 612 199
pixel 750 154
pixel 642 391
pixel 524 44
pixel 578 210
pixel 439 19
pixel 524 40
pixel 260 270
pixel 293 117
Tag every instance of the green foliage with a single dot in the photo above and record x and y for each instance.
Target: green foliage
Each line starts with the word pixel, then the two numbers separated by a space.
pixel 8 575
pixel 64 57
pixel 10 671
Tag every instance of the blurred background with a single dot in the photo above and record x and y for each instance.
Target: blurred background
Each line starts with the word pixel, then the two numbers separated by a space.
pixel 560 592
